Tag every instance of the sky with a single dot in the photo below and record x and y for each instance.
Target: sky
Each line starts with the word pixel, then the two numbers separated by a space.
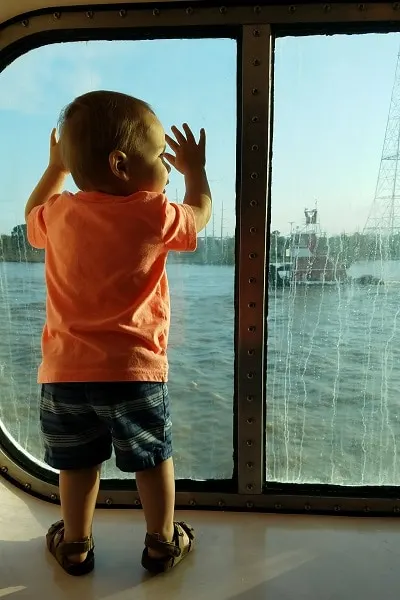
pixel 332 97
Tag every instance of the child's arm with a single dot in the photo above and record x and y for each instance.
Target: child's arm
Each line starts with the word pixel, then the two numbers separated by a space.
pixel 52 180
pixel 198 196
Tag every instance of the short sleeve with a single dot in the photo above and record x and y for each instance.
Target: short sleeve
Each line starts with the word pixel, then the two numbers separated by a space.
pixel 36 227
pixel 178 227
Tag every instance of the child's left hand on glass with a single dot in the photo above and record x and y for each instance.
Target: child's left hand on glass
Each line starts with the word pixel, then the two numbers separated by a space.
pixel 56 161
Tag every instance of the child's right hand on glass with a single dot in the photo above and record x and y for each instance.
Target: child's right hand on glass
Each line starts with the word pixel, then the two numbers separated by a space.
pixel 189 155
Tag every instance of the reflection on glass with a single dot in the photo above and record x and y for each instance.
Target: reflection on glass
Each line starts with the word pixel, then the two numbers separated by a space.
pixel 334 273
pixel 33 91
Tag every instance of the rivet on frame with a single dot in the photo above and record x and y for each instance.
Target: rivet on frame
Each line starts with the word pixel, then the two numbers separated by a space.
pixel 251 352
pixel 249 504
pixel 292 9
pixel 256 32
pixel 252 279
pixel 137 502
pixel 396 6
pixel 278 506
pixel 250 465
pixel 189 10
pixel 251 305
pixel 221 503
pixel 89 14
pixel 256 62
pixel 250 375
pixel 367 509
pixel 252 255
pixel 249 443
pixel 327 7
pixel 307 507
pixel 192 502
pixel 53 497
pixel 109 501
pixel 27 486
pixel 254 175
pixel 396 509
pixel 223 10
pixel 249 398
pixel 254 119
pixel 255 147
pixel 249 487
pixel 250 421
pixel 123 13
pixel 257 9
pixel 25 23
pixel 337 508
pixel 253 203
pixel 4 469
pixel 254 91
pixel 56 16
pixel 253 229
pixel 361 6
pixel 156 12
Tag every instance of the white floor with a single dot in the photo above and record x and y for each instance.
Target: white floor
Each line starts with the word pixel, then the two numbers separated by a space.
pixel 239 557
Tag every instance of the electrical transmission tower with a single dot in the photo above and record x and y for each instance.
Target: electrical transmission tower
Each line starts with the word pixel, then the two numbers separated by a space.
pixel 384 216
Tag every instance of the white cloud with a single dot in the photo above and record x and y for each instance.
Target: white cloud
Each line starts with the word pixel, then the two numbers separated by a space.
pixel 45 76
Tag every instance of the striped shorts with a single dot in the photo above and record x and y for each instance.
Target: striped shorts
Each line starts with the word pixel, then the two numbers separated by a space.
pixel 82 422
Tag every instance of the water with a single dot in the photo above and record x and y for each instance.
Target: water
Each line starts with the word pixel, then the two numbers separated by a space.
pixel 332 377
pixel 201 364
pixel 333 384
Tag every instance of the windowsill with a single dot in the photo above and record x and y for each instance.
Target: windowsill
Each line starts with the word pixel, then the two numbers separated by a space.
pixel 239 557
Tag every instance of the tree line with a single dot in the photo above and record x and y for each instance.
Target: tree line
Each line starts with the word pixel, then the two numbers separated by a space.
pixel 16 248
pixel 210 251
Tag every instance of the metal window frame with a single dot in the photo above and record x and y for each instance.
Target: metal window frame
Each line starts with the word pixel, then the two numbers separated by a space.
pixel 254 26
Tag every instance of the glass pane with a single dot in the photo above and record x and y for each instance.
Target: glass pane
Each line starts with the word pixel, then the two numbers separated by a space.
pixel 33 91
pixel 334 273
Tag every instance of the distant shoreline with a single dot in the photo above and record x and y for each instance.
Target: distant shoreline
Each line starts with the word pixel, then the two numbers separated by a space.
pixel 173 261
pixel 211 251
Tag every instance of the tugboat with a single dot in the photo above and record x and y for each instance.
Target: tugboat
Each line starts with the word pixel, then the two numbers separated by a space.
pixel 309 257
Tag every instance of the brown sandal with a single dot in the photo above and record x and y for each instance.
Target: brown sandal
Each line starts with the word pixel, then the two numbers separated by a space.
pixel 61 550
pixel 174 551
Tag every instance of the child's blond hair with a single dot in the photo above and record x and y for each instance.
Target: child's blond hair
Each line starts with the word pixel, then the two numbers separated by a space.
pixel 93 126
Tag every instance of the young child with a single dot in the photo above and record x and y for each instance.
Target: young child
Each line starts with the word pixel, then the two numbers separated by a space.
pixel 104 367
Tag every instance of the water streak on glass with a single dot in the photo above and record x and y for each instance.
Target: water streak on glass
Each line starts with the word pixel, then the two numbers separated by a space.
pixel 334 273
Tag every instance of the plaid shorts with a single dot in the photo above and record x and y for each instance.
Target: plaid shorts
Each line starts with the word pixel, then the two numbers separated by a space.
pixel 82 422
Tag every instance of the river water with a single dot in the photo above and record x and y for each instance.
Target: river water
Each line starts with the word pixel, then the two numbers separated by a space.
pixel 332 376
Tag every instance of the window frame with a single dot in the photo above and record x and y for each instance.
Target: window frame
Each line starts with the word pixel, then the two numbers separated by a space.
pixel 255 28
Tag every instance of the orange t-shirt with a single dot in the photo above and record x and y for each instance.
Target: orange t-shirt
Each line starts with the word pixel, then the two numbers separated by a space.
pixel 107 305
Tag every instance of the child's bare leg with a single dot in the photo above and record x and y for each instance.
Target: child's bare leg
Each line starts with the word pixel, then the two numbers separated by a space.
pixel 78 495
pixel 157 494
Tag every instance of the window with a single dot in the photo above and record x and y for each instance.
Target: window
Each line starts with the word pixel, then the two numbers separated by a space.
pixel 323 119
pixel 33 91
pixel 334 273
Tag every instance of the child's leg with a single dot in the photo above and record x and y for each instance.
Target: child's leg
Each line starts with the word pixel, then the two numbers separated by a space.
pixel 157 494
pixel 78 495
pixel 76 443
pixel 137 413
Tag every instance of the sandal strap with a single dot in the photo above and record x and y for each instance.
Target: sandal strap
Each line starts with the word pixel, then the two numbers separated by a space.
pixel 186 528
pixel 154 542
pixel 174 548
pixel 56 535
pixel 79 547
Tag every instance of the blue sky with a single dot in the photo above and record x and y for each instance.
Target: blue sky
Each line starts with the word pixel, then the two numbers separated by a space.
pixel 331 103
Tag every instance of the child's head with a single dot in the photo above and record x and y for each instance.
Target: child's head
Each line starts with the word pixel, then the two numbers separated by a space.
pixel 113 143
